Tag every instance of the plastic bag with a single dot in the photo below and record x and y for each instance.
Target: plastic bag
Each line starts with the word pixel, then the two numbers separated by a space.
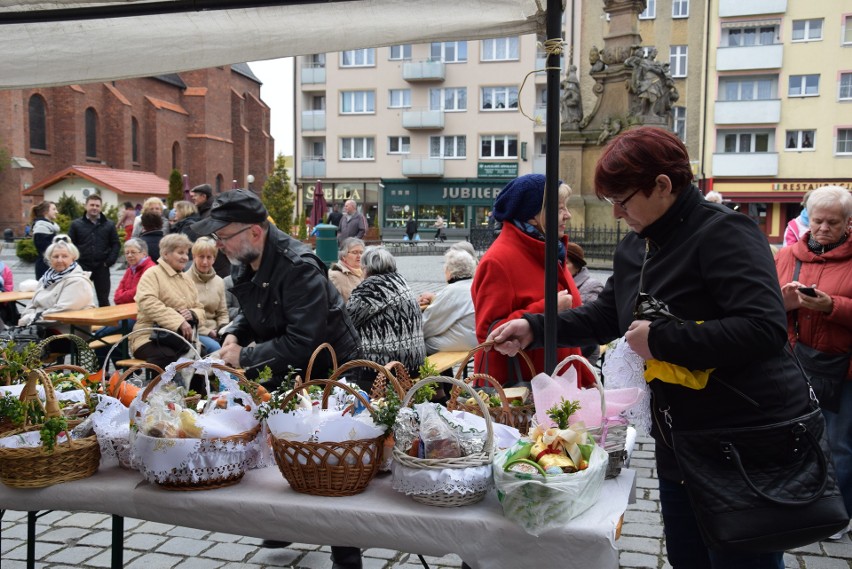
pixel 538 503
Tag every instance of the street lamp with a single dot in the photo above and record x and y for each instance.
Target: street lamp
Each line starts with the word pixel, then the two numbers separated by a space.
pixel 250 180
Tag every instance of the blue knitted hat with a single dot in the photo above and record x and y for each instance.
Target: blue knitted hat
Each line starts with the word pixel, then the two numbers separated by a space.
pixel 521 199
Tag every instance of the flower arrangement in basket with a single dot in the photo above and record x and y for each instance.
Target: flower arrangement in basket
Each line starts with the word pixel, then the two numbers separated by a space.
pixel 455 466
pixel 320 449
pixel 44 454
pixel 512 406
pixel 178 448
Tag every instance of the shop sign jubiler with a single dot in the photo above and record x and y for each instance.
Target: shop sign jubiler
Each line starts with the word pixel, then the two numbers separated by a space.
pixel 464 193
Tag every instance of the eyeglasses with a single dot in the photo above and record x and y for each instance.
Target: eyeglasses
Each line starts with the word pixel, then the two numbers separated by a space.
pixel 220 239
pixel 623 203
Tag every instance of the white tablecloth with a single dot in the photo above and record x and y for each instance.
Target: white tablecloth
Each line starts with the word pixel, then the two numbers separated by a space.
pixel 264 506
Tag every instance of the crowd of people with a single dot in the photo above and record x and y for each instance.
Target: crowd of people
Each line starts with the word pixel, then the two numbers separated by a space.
pixel 732 314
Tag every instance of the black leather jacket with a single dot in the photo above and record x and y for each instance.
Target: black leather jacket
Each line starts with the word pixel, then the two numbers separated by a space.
pixel 712 265
pixel 289 307
pixel 97 242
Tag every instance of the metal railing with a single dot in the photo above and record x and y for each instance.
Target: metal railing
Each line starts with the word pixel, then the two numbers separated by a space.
pixel 598 243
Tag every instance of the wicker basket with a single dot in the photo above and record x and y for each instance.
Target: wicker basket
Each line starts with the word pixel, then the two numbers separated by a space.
pixel 182 478
pixel 317 352
pixel 308 466
pixel 86 356
pixel 518 416
pixel 611 435
pixel 441 498
pixel 34 467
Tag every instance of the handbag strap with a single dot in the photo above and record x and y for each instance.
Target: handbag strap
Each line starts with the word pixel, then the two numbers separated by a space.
pixel 795 313
pixel 800 431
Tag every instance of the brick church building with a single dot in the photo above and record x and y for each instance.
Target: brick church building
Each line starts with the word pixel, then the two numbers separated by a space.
pixel 210 124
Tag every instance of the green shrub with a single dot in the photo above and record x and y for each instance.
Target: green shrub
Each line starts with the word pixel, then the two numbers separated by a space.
pixel 26 250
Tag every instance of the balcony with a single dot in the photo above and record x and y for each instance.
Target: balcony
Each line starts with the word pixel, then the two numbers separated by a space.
pixel 748 112
pixel 312 75
pixel 313 120
pixel 313 167
pixel 422 167
pixel 733 8
pixel 745 164
pixel 414 71
pixel 422 119
pixel 749 57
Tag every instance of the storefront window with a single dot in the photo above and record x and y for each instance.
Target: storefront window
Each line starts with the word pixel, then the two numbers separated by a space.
pixel 480 216
pixel 397 215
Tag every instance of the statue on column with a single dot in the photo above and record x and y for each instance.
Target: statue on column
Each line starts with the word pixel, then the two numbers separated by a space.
pixel 571 104
pixel 651 84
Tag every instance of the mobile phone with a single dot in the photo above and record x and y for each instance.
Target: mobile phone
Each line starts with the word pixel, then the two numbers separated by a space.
pixel 808 291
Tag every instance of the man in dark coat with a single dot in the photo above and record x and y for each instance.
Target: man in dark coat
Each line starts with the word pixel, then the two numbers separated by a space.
pixel 289 307
pixel 97 239
pixel 335 216
pixel 202 197
pixel 352 224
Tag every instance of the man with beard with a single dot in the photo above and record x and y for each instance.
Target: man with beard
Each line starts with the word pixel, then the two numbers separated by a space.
pixel 289 307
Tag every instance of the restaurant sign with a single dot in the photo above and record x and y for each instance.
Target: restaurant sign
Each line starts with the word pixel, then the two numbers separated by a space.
pixel 498 170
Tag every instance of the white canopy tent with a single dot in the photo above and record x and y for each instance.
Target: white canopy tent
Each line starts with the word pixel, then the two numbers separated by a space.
pixel 78 41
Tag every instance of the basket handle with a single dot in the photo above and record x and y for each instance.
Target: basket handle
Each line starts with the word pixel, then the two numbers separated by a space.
pixel 123 376
pixel 77 369
pixel 489 428
pixel 586 363
pixel 241 378
pixel 329 385
pixel 505 408
pixel 317 352
pixel 149 330
pixel 488 345
pixel 85 354
pixel 51 404
pixel 399 375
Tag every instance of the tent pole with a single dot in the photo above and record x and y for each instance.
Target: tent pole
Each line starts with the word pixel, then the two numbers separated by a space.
pixel 554 31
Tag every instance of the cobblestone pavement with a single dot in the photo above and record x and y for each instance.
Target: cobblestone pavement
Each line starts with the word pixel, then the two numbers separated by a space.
pixel 82 540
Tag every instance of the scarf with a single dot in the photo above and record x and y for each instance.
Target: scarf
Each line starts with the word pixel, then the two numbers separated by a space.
pixel 135 267
pixel 534 232
pixel 51 276
pixel 817 249
pixel 356 272
pixel 203 277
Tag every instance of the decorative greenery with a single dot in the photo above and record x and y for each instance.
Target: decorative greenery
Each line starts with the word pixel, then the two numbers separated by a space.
pixel 303 227
pixel 111 213
pixel 387 409
pixel 562 411
pixel 51 429
pixel 278 196
pixel 70 207
pixel 16 360
pixel 13 409
pixel 175 188
pixel 26 250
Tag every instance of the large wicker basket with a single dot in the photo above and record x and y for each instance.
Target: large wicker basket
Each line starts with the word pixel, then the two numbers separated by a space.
pixel 612 434
pixel 331 468
pixel 83 354
pixel 199 477
pixel 35 467
pixel 518 416
pixel 483 458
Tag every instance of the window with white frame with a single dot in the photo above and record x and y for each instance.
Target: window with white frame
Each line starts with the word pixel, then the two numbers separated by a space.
pixel 747 36
pixel 399 98
pixel 799 139
pixel 500 49
pixel 448 146
pixel 845 86
pixel 803 86
pixel 844 141
pixel 748 88
pixel 399 145
pixel 677 60
pixel 398 52
pixel 679 122
pixel 499 98
pixel 680 8
pixel 650 11
pixel 498 146
pixel 317 148
pixel 807 30
pixel 734 142
pixel 448 99
pixel 449 51
pixel 357 102
pixel 847 30
pixel 358 57
pixel 358 148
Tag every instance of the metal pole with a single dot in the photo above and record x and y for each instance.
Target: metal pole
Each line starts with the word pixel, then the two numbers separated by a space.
pixel 551 200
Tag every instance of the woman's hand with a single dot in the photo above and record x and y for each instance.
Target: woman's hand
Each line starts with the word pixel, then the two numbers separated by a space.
pixel 187 314
pixel 564 301
pixel 637 338
pixel 426 298
pixel 511 337
pixel 213 334
pixel 791 296
pixel 185 330
pixel 821 303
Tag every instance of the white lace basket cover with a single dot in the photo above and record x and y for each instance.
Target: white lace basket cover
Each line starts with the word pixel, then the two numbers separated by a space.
pixel 198 461
pixel 111 422
pixel 623 368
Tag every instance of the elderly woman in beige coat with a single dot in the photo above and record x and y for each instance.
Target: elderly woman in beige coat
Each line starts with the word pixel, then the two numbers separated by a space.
pixel 166 298
pixel 211 293
pixel 346 273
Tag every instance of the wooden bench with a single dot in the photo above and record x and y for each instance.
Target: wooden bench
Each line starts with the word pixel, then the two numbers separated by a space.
pixel 444 361
pixel 130 362
pixel 105 341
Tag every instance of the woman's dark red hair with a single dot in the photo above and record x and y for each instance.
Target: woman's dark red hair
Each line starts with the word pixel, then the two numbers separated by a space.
pixel 635 158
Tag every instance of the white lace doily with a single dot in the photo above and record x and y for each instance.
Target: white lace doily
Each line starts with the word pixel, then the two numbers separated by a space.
pixel 623 367
pixel 424 481
pixel 111 422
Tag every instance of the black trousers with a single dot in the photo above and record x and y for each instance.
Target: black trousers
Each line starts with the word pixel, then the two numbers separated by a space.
pixel 100 278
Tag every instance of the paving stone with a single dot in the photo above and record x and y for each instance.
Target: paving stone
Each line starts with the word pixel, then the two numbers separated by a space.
pixel 227 537
pixel 192 533
pixel 630 559
pixel 642 530
pixel 284 557
pixel 638 516
pixel 9 544
pixel 75 555
pixel 104 559
pixel 99 538
pixel 51 518
pixel 450 559
pixel 62 534
pixel 315 560
pixel 646 483
pixel 153 561
pixel 812 562
pixel 154 527
pixel 183 546
pixel 143 541
pixel 42 550
pixel 13 564
pixel 381 553
pixel 14 516
pixel 838 549
pixel 638 545
pixel 644 505
pixel 199 563
pixel 86 519
pixel 18 531
pixel 229 551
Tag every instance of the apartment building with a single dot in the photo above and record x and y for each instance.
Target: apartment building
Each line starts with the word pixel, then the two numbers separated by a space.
pixel 424 129
pixel 779 119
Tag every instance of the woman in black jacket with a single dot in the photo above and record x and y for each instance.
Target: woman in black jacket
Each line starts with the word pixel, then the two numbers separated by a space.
pixel 45 229
pixel 713 269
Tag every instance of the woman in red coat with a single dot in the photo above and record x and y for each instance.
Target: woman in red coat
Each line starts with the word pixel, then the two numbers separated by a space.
pixel 509 280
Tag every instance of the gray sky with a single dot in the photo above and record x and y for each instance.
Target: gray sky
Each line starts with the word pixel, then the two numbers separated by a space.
pixel 277 92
